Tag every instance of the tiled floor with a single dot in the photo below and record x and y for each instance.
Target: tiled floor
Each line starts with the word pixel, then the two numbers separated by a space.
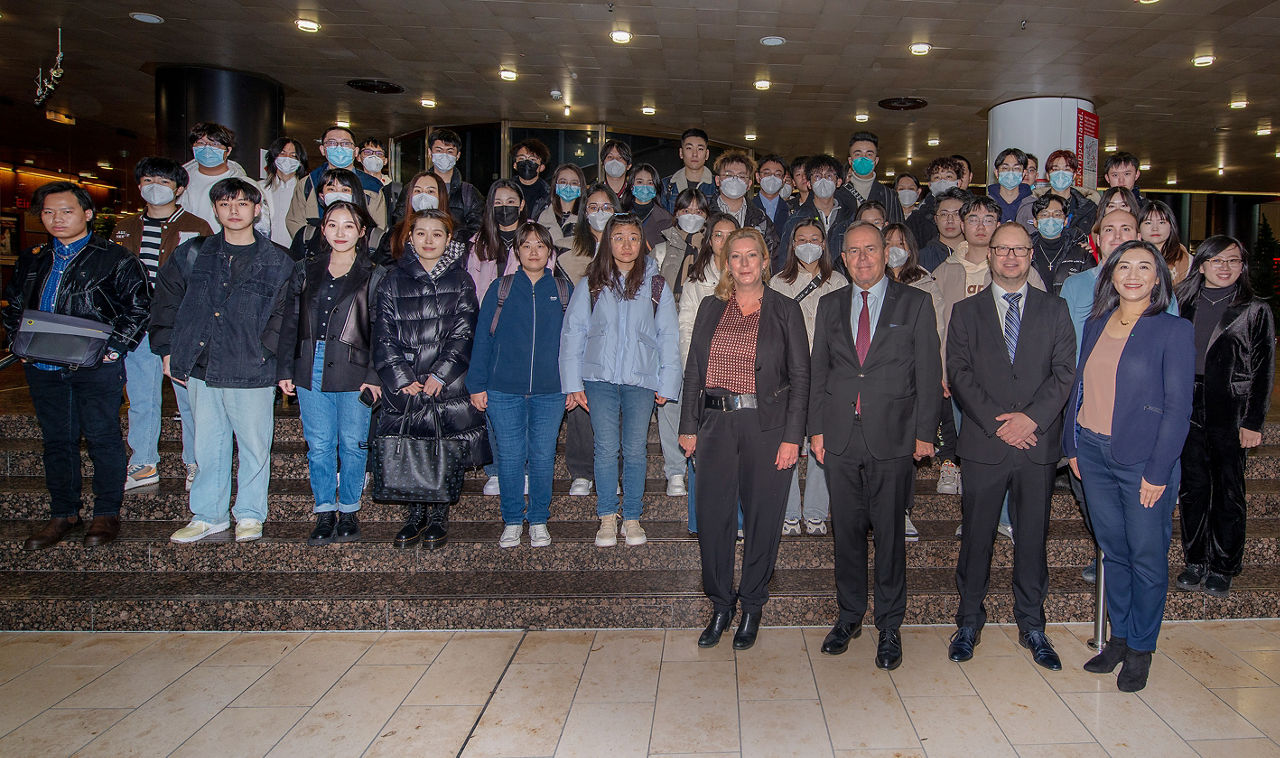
pixel 1214 691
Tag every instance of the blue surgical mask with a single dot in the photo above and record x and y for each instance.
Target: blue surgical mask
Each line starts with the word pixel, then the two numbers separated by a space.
pixel 208 155
pixel 1010 179
pixel 340 157
pixel 1050 227
pixel 568 192
pixel 863 165
pixel 644 193
pixel 1060 180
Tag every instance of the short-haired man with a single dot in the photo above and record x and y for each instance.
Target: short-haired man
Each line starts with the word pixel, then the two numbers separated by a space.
pixel 873 340
pixel 799 183
pixel 1122 170
pixel 153 235
pixel 694 150
pixel 1059 251
pixel 1009 190
pixel 1082 202
pixel 734 171
pixel 1010 366
pixel 529 158
pixel 78 273
pixel 772 177
pixel 373 159
pixel 823 205
pixel 943 174
pixel 338 146
pixel 1031 176
pixel 948 228
pixel 861 185
pixel 215 322
pixel 466 204
pixel 615 164
pixel 966 171
pixel 211 146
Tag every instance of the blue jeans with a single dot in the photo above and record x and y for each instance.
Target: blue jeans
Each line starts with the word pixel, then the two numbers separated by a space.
pixel 817 500
pixel 144 371
pixel 1134 540
pixel 634 405
pixel 336 427
pixel 526 427
pixel 1004 509
pixel 491 469
pixel 693 510
pixel 221 414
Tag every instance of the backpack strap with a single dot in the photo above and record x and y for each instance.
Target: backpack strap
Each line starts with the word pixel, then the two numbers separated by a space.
pixel 808 288
pixel 562 287
pixel 655 285
pixel 193 252
pixel 504 289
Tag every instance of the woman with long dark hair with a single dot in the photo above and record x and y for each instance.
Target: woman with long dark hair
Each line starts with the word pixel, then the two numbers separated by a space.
pixel 1235 366
pixel 643 197
pixel 286 163
pixel 424 192
pixel 561 214
pixel 597 206
pixel 1158 225
pixel 490 253
pixel 337 185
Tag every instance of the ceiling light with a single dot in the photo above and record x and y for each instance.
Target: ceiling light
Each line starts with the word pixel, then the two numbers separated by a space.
pixel 1144 166
pixel 763 84
pixel 621 36
pixel 1110 148
pixel 908 161
pixel 889 172
pixel 1221 171
pixel 1264 131
pixel 104 164
pixel 307 25
pixel 343 124
pixel 146 18
pixel 648 110
pixel 933 142
pixel 1200 61
pixel 427 102
pixel 566 110
pixel 920 48
pixel 1238 104
pixel 749 136
pixel 88 175
pixel 773 40
pixel 861 118
pixel 1171 180
pixel 507 75
pixel 1148 2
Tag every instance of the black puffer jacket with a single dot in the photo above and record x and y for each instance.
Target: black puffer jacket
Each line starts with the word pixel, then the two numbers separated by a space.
pixel 423 325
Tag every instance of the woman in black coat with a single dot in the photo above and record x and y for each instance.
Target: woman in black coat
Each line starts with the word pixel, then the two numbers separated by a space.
pixel 424 319
pixel 1235 364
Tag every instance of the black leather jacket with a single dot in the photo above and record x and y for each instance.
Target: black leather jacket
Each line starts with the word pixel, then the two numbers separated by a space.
pixel 1239 367
pixel 104 282
pixel 348 348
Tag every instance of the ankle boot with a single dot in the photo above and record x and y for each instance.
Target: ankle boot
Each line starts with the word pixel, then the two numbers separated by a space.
pixel 1133 675
pixel 437 533
pixel 1109 657
pixel 348 529
pixel 414 525
pixel 323 533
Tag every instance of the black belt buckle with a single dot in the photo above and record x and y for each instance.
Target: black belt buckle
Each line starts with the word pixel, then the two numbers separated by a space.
pixel 730 403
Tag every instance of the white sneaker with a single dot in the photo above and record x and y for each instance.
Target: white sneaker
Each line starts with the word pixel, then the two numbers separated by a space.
pixel 248 530
pixel 491 486
pixel 815 526
pixel 1005 530
pixel 140 475
pixel 198 530
pixel 791 527
pixel 959 530
pixel 511 535
pixel 912 534
pixel 580 487
pixel 192 469
pixel 949 479
pixel 539 535
pixel 607 534
pixel 634 532
pixel 676 486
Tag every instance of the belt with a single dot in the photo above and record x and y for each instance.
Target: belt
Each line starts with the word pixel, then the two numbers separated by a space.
pixel 730 402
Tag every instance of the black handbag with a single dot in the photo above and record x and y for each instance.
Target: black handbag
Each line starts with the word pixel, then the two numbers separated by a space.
pixel 60 340
pixel 409 469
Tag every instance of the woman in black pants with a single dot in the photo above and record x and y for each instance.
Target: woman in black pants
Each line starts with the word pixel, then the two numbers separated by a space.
pixel 1235 364
pixel 745 399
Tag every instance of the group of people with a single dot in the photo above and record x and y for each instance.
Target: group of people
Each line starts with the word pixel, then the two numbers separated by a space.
pixel 825 316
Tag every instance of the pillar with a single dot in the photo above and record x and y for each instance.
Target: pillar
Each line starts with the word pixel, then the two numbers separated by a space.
pixel 251 105
pixel 1041 125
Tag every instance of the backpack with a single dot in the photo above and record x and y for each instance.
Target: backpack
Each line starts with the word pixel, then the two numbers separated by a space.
pixel 655 293
pixel 504 289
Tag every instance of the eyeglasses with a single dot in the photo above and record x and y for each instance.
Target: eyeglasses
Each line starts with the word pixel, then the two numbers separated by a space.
pixel 1053 214
pixel 370 153
pixel 981 220
pixel 336 143
pixel 1226 263
pixel 594 207
pixel 1017 251
pixel 948 215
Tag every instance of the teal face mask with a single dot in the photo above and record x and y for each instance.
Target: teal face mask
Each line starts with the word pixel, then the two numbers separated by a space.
pixel 1060 180
pixel 1050 227
pixel 208 155
pixel 1010 179
pixel 644 193
pixel 863 165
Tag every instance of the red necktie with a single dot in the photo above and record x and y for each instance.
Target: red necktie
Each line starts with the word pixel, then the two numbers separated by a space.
pixel 862 343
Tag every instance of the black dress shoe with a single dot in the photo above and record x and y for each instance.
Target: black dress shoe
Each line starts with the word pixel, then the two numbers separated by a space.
pixel 348 528
pixel 745 637
pixel 889 651
pixel 710 636
pixel 437 533
pixel 1217 584
pixel 415 524
pixel 963 641
pixel 1042 651
pixel 837 640
pixel 1111 655
pixel 323 533
pixel 1133 674
pixel 1191 577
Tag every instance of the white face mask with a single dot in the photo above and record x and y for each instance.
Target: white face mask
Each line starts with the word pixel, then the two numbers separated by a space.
pixel 690 222
pixel 808 252
pixel 287 166
pixel 336 197
pixel 897 257
pixel 615 168
pixel 733 188
pixel 599 219
pixel 786 191
pixel 942 185
pixel 770 185
pixel 824 188
pixel 908 197
pixel 157 194
pixel 424 202
pixel 373 164
pixel 443 161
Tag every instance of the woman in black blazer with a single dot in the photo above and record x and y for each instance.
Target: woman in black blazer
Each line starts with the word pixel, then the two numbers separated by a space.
pixel 746 391
pixel 1235 365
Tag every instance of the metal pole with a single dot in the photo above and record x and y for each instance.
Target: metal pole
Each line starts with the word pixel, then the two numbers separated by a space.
pixel 1099 609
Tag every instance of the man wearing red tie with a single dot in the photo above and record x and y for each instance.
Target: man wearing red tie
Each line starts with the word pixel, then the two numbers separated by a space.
pixel 872 406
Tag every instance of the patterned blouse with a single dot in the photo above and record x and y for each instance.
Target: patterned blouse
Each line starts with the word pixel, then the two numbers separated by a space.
pixel 732 363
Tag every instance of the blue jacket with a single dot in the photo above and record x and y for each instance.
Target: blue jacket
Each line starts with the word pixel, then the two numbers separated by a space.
pixel 522 357
pixel 622 341
pixel 1077 290
pixel 1153 394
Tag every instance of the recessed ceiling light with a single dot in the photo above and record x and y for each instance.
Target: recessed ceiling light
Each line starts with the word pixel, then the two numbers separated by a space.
pixel 763 84
pixel 566 110
pixel 648 110
pixel 1148 2
pixel 908 161
pixel 307 25
pixel 773 40
pixel 427 102
pixel 507 75
pixel 932 142
pixel 1110 148
pixel 146 18
pixel 621 36
pixel 920 48
pixel 1264 131
pixel 889 172
pixel 1200 61
pixel 749 136
pixel 1144 166
pixel 104 164
pixel 861 118
pixel 1171 180
pixel 88 175
pixel 1221 171
pixel 342 123
pixel 1238 104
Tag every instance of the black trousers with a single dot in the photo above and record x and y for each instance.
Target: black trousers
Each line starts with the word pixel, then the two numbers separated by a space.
pixel 579 445
pixel 1030 485
pixel 70 403
pixel 1212 499
pixel 868 494
pixel 736 464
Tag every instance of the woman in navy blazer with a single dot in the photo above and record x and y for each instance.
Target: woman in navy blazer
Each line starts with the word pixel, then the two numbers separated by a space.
pixel 1127 454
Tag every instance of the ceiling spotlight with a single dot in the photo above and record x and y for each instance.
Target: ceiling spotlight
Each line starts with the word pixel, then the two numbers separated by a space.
pixel 146 18
pixel 507 75
pixel 1200 61
pixel 621 36
pixel 763 84
pixel 342 123
pixel 427 102
pixel 1148 2
pixel 566 110
pixel 104 164
pixel 861 118
pixel 920 48
pixel 1221 171
pixel 773 40
pixel 749 137
pixel 1238 104
pixel 1171 180
pixel 1110 148
pixel 307 25
pixel 908 161
pixel 1263 131
pixel 889 172
pixel 932 142
pixel 1144 166
pixel 648 110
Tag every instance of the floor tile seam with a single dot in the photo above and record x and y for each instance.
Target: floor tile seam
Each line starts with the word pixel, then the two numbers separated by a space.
pixel 159 638
pixel 1044 676
pixel 485 707
pixel 1233 653
pixel 1236 711
pixel 582 671
pixel 987 708
pixel 392 714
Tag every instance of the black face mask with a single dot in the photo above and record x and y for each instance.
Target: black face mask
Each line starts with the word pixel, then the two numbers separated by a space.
pixel 526 169
pixel 506 215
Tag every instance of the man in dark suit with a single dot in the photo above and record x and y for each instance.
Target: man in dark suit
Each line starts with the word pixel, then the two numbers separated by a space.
pixel 1010 363
pixel 872 406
